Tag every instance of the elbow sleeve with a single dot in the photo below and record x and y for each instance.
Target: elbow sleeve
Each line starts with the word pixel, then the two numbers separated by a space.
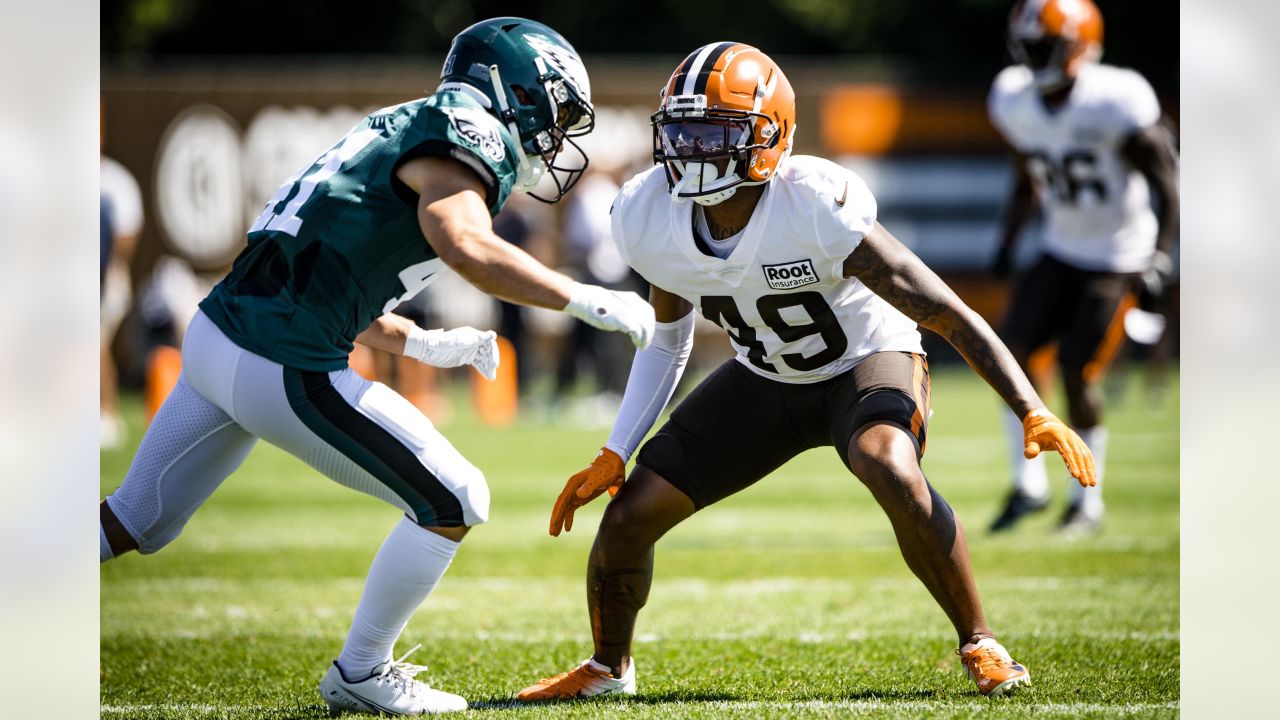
pixel 655 372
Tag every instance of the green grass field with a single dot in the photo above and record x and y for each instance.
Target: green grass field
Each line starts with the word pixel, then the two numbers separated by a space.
pixel 787 600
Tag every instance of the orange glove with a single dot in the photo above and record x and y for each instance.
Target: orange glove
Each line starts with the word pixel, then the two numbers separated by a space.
pixel 1042 430
pixel 604 473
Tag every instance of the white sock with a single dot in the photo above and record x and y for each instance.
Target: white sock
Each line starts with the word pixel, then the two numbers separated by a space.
pixel 1090 499
pixel 1029 476
pixel 983 643
pixel 405 571
pixel 104 547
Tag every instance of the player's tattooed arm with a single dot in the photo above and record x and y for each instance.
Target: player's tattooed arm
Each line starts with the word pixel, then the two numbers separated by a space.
pixel 894 273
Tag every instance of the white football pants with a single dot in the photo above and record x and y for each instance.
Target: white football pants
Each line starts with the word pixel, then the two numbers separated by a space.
pixel 361 434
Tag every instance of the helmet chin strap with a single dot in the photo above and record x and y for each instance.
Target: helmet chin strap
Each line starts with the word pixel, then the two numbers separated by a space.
pixel 529 173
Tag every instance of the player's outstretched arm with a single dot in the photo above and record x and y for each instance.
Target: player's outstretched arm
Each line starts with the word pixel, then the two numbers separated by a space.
pixel 899 277
pixel 456 223
pixel 441 348
pixel 655 372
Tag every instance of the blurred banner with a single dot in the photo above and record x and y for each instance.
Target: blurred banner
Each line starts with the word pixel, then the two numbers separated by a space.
pixel 209 142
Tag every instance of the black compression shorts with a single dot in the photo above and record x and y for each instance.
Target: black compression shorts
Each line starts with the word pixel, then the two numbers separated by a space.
pixel 737 427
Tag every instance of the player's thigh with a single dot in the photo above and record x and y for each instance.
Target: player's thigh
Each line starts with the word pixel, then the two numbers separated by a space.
pixel 189 448
pixel 1096 331
pixel 1037 310
pixel 731 431
pixel 364 436
pixel 886 387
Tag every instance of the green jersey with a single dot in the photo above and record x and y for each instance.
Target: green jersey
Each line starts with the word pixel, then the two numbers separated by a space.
pixel 339 243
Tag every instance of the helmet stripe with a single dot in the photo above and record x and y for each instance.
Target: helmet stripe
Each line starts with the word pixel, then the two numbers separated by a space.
pixel 694 67
pixel 700 80
pixel 677 78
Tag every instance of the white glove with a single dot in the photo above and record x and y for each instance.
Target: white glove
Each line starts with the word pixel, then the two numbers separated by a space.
pixel 614 311
pixel 454 348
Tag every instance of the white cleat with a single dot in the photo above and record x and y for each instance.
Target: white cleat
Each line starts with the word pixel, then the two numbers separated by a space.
pixel 390 690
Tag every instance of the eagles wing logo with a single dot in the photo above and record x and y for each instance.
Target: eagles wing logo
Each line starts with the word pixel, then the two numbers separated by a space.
pixel 564 60
pixel 476 128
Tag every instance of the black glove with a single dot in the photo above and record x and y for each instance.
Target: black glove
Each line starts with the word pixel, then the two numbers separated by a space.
pixel 1002 265
pixel 1155 280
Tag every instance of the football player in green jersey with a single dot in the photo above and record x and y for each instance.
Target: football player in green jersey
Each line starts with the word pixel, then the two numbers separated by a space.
pixel 408 194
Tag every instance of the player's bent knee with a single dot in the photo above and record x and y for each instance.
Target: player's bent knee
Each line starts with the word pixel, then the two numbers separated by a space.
pixel 157 536
pixel 455 533
pixel 878 443
pixel 468 484
pixel 146 523
pixel 618 521
pixel 883 454
pixel 623 525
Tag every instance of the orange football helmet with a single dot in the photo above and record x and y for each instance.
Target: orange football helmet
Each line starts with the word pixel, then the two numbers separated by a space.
pixel 1055 38
pixel 726 117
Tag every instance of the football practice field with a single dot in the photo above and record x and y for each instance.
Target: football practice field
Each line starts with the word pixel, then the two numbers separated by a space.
pixel 787 600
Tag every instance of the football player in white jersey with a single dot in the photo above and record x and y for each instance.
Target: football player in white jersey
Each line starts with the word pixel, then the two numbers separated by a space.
pixel 821 304
pixel 1091 155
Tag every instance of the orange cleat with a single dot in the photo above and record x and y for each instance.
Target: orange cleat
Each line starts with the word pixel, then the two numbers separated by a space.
pixel 989 665
pixel 588 679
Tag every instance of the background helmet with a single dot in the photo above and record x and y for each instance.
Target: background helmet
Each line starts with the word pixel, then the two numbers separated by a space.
pixel 1055 38
pixel 533 81
pixel 727 117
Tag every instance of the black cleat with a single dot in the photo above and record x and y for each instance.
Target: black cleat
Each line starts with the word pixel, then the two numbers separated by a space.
pixel 1016 506
pixel 1075 523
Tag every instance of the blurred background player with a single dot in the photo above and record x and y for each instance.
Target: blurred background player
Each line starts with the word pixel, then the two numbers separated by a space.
pixel 517 224
pixel 406 195
pixel 121 206
pixel 1091 155
pixel 590 256
pixel 821 305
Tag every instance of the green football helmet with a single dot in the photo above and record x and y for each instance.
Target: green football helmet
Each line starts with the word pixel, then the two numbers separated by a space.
pixel 533 81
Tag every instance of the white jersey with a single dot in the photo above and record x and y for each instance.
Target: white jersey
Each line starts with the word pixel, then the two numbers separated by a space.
pixel 790 313
pixel 1097 207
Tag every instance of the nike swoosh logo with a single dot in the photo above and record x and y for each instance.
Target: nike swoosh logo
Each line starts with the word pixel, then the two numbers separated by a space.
pixel 845 196
pixel 371 704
